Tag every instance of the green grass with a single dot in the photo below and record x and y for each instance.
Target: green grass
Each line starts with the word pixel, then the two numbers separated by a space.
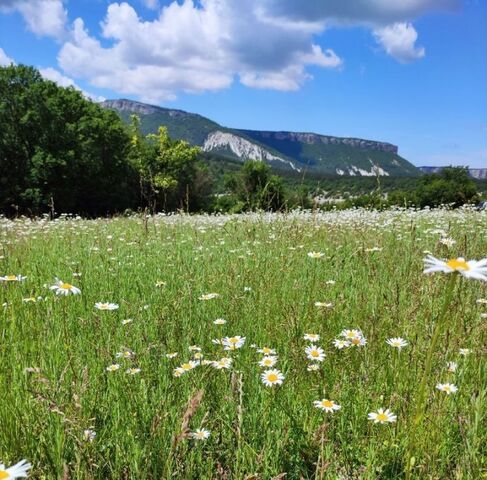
pixel 256 432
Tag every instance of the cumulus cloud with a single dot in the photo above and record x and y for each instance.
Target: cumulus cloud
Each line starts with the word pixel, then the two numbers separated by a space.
pixel 63 81
pixel 371 12
pixel 399 41
pixel 205 45
pixel 43 17
pixel 193 47
pixel 5 59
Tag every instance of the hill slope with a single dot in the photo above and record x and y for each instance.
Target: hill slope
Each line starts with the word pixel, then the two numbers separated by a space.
pixel 283 150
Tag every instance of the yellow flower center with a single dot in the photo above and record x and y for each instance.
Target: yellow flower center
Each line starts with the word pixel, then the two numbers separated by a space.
pixel 233 340
pixel 327 403
pixel 458 264
pixel 315 353
pixel 356 341
pixel 10 278
pixel 272 377
pixel 266 350
pixel 66 286
pixel 186 366
pixel 4 474
pixel 382 417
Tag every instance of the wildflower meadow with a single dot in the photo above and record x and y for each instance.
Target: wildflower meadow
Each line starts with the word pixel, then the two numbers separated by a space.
pixel 338 345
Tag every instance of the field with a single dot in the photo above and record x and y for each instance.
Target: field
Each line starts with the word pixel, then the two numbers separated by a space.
pixel 75 404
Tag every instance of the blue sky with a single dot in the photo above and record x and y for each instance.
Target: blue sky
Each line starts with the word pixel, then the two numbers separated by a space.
pixel 410 72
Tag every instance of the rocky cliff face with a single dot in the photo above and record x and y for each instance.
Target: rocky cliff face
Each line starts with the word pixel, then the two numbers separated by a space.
pixel 314 138
pixel 241 148
pixel 139 108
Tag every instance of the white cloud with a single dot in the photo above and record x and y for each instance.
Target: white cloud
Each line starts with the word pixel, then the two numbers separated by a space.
pixel 204 45
pixel 194 48
pixel 399 41
pixel 43 17
pixel 63 81
pixel 5 60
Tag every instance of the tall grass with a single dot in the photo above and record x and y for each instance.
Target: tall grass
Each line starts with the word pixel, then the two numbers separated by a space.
pixel 54 352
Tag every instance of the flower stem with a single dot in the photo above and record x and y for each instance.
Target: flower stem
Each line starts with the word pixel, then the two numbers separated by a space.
pixel 419 411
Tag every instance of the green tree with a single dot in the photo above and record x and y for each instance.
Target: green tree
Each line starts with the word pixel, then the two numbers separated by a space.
pixel 256 188
pixel 58 150
pixel 451 186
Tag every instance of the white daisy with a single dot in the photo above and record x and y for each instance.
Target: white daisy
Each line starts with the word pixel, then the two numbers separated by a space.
pixel 316 254
pixel 464 351
pixel 351 334
pixel 132 371
pixel 469 269
pixel 19 470
pixel 448 388
pixel 397 342
pixel 452 366
pixel 268 361
pixel 312 337
pixel 382 416
pixel 88 435
pixel 315 353
pixel 224 362
pixel 219 321
pixel 62 288
pixel 272 377
pixel 266 351
pixel 113 368
pixel 314 367
pixel 340 344
pixel 233 343
pixel 12 278
pixel 208 296
pixel 106 306
pixel 200 434
pixel 323 304
pixel 327 405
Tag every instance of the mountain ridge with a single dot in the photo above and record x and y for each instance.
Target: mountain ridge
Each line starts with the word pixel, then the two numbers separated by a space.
pixel 298 151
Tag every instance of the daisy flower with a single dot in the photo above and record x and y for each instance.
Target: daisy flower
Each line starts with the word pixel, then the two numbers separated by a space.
pixel 323 304
pixel 132 371
pixel 452 366
pixel 268 361
pixel 194 348
pixel 186 367
pixel 340 344
pixel 106 306
pixel 232 343
pixel 19 470
pixel 126 353
pixel 266 351
pixel 312 337
pixel 351 334
pixel 382 416
pixel 272 377
pixel 315 353
pixel 224 362
pixel 315 254
pixel 219 321
pixel 358 342
pixel 448 388
pixel 160 283
pixel 464 351
pixel 12 278
pixel 208 296
pixel 447 241
pixel 330 282
pixel 88 435
pixel 200 434
pixel 127 321
pixel 113 368
pixel 397 342
pixel 314 367
pixel 469 269
pixel 327 405
pixel 62 288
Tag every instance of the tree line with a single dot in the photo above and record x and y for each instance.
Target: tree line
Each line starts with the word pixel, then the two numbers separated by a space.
pixel 62 153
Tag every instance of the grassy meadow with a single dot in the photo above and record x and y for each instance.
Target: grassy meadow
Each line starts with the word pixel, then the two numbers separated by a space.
pixel 72 418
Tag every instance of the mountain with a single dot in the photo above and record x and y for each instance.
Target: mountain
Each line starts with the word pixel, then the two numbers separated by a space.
pixel 292 151
pixel 477 173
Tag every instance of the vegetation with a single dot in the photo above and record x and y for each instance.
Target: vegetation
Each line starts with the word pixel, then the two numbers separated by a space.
pixel 61 153
pixel 93 393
